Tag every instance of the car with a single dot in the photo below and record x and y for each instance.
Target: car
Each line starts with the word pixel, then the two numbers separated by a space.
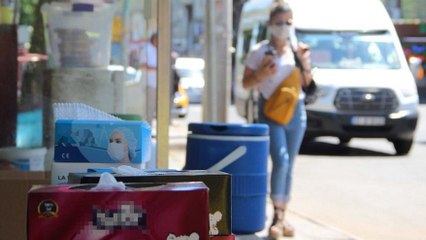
pixel 414 44
pixel 417 69
pixel 365 86
pixel 180 103
pixel 191 77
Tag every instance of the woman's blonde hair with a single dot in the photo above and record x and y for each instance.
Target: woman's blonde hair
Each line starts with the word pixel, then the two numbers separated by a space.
pixel 278 7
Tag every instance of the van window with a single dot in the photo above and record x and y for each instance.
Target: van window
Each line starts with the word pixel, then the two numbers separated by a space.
pixel 247 35
pixel 263 29
pixel 251 36
pixel 354 50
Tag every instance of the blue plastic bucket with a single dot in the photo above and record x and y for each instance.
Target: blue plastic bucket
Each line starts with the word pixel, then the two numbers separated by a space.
pixel 242 151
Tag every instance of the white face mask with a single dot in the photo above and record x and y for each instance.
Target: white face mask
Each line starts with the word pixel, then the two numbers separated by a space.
pixel 281 32
pixel 116 151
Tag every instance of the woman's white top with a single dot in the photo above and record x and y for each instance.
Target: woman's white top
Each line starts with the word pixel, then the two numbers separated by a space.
pixel 285 64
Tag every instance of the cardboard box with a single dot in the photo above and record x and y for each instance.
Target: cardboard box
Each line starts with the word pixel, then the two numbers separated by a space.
pixel 223 237
pixel 102 141
pixel 14 186
pixel 142 211
pixel 61 170
pixel 218 182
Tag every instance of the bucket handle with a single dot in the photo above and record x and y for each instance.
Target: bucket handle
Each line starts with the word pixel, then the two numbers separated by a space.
pixel 230 158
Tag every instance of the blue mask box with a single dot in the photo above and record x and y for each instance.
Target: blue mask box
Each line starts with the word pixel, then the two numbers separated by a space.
pixel 97 141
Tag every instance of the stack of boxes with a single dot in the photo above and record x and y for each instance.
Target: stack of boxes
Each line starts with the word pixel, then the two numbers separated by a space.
pixel 157 204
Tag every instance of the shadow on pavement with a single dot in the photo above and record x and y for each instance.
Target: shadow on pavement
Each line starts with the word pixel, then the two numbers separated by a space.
pixel 333 149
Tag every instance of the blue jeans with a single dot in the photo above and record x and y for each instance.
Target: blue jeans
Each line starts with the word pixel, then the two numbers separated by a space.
pixel 285 141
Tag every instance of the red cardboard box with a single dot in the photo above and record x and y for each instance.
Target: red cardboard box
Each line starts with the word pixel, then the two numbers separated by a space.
pixel 223 237
pixel 142 211
pixel 219 184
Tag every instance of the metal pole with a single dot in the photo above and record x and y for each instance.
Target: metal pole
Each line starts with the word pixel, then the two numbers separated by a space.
pixel 223 58
pixel 163 82
pixel 208 102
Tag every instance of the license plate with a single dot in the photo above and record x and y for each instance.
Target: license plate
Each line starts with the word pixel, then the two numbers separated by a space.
pixel 368 121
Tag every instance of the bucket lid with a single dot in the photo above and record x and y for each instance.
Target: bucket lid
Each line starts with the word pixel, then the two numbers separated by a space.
pixel 229 129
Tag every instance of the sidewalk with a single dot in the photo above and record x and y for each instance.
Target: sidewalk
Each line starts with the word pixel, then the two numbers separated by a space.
pixel 306 228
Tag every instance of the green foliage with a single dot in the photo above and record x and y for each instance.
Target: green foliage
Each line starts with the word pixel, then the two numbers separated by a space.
pixel 37 39
pixel 27 10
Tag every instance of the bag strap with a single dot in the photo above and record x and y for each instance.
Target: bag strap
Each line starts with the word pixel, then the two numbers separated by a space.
pixel 297 60
pixel 299 65
pixel 306 88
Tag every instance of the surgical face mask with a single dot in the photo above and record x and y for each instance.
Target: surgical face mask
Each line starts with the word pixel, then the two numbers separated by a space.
pixel 117 151
pixel 281 32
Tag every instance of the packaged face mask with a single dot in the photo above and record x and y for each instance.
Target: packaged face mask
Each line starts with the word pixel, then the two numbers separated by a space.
pixel 117 151
pixel 102 141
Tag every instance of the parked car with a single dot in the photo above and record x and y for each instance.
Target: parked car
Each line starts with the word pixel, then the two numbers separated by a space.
pixel 413 41
pixel 366 89
pixel 191 77
pixel 417 64
pixel 180 103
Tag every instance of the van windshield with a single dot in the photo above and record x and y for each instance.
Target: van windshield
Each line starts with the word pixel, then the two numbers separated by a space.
pixel 354 50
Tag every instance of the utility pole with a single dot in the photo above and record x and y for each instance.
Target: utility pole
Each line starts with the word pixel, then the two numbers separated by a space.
pixel 163 83
pixel 217 95
pixel 208 101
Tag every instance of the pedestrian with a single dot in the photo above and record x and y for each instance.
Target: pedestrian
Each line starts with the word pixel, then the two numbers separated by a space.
pixel 149 65
pixel 267 64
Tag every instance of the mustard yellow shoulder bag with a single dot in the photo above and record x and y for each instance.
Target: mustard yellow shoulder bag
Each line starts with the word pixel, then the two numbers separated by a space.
pixel 281 105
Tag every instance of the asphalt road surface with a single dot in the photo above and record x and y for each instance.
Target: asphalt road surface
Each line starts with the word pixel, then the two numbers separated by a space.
pixel 360 188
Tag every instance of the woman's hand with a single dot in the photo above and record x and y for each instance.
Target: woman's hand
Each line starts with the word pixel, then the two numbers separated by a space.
pixel 267 68
pixel 253 77
pixel 304 55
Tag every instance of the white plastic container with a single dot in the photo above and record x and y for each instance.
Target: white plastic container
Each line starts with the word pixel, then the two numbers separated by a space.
pixel 60 170
pixel 78 35
pixel 27 159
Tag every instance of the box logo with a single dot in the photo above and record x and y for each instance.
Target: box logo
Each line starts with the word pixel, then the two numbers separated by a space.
pixel 127 216
pixel 48 209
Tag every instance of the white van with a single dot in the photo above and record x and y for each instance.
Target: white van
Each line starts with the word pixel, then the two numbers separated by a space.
pixel 366 89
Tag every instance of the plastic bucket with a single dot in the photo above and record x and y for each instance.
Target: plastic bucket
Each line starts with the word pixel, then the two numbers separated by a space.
pixel 79 35
pixel 242 151
pixel 26 159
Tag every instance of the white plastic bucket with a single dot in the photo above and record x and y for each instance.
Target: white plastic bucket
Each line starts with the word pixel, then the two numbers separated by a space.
pixel 78 38
pixel 27 159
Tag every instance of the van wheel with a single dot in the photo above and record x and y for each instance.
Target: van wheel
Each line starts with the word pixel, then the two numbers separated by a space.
pixel 401 146
pixel 344 140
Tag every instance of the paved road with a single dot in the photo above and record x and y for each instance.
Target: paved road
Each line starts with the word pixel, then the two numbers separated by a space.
pixel 361 188
pixel 306 228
